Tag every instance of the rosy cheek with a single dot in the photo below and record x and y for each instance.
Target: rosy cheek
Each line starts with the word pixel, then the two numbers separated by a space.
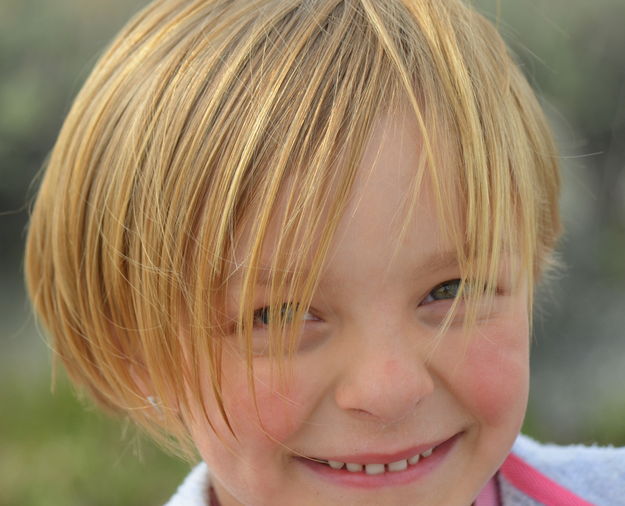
pixel 494 374
pixel 280 412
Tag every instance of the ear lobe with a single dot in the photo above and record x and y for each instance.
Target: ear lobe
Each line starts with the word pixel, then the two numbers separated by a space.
pixel 145 389
pixel 140 378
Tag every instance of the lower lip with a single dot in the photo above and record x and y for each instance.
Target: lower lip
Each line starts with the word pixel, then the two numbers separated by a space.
pixel 387 479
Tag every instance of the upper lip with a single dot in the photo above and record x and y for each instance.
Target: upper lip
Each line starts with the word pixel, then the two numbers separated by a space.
pixel 383 458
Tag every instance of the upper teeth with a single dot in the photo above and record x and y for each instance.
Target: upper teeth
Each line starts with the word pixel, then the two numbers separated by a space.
pixel 400 465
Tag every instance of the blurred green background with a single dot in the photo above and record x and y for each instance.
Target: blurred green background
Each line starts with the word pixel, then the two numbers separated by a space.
pixel 56 450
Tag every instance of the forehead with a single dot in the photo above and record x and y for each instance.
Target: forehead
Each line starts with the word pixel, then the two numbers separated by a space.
pixel 384 201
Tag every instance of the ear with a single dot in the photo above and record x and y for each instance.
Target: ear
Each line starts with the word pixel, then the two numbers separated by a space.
pixel 152 400
pixel 141 379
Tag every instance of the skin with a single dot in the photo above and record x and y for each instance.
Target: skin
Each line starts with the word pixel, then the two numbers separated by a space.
pixel 369 378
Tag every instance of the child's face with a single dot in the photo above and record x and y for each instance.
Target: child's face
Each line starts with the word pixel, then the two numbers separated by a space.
pixel 368 386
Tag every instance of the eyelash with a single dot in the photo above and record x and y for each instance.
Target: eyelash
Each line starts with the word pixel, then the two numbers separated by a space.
pixel 443 285
pixel 263 312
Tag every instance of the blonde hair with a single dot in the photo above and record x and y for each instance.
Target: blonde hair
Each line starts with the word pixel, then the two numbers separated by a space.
pixel 202 112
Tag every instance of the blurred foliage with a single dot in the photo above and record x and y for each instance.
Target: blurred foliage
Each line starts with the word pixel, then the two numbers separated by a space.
pixel 53 451
pixel 56 452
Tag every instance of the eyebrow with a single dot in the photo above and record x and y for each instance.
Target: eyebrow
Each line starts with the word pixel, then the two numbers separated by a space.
pixel 438 261
pixel 432 263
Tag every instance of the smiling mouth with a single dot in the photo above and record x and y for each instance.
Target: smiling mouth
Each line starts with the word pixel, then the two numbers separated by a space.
pixel 378 465
pixel 379 468
pixel 374 470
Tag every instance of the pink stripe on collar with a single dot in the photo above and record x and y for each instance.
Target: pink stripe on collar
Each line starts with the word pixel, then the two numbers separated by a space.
pixel 538 486
pixel 489 496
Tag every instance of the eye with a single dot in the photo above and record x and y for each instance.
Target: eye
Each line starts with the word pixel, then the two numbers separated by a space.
pixel 447 290
pixel 262 316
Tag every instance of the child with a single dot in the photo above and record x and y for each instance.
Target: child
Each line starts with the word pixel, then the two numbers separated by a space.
pixel 300 238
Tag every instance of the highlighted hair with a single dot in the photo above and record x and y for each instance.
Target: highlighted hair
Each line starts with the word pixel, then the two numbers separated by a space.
pixel 202 113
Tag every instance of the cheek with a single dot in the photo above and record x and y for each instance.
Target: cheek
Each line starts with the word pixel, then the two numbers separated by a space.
pixel 260 437
pixel 282 407
pixel 495 374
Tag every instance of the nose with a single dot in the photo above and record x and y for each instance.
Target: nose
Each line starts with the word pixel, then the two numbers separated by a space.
pixel 384 376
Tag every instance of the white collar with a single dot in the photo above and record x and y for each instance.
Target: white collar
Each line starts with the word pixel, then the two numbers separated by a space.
pixel 194 489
